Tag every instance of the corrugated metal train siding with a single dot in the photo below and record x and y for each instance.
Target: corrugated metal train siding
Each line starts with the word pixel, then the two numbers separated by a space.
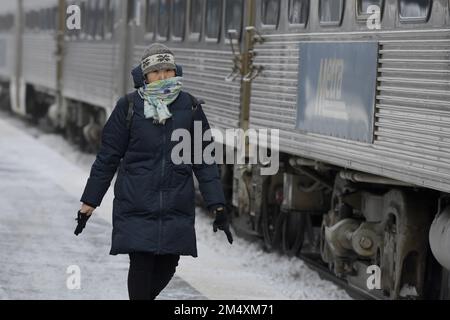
pixel 89 73
pixel 412 114
pixel 38 59
pixel 204 73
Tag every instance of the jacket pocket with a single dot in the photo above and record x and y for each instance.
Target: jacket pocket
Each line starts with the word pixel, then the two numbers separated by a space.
pixel 180 175
pixel 135 191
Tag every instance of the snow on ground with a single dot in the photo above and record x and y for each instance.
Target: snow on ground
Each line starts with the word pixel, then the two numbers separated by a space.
pixel 36 228
pixel 222 271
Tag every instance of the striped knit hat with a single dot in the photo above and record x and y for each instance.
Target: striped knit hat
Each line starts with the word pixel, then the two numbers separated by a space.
pixel 157 57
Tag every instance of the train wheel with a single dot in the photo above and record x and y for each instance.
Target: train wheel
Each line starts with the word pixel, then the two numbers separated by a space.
pixel 272 218
pixel 293 233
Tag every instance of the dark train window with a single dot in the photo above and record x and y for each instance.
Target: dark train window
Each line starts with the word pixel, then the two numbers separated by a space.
pixel 48 19
pixel 55 18
pixel 28 21
pixel 330 12
pixel 35 20
pixel 233 16
pixel 110 16
pixel 213 18
pixel 195 18
pixel 414 10
pixel 51 20
pixel 163 18
pixel 150 15
pixel 100 19
pixel 90 19
pixel 81 33
pixel 298 11
pixel 133 10
pixel 363 6
pixel 365 9
pixel 270 12
pixel 43 22
pixel 6 22
pixel 178 23
pixel 42 19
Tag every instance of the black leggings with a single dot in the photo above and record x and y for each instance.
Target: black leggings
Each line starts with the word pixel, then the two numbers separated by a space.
pixel 149 274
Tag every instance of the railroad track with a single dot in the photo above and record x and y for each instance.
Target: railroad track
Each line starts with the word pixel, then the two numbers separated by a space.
pixel 325 273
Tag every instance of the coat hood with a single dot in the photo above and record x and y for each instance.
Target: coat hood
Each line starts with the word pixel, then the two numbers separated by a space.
pixel 138 75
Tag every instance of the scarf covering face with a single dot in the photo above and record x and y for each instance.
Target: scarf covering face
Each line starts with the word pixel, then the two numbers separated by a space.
pixel 158 95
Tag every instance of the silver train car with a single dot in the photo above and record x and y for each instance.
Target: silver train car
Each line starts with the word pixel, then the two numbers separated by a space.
pixel 358 89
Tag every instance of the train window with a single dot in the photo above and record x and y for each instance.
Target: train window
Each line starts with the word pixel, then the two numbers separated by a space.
pixel 364 8
pixel 364 5
pixel 163 18
pixel 298 11
pixel 330 12
pixel 35 20
pixel 270 12
pixel 133 11
pixel 195 19
pixel 49 19
pixel 213 19
pixel 100 19
pixel 150 15
pixel 414 10
pixel 93 23
pixel 92 18
pixel 6 22
pixel 178 23
pixel 233 16
pixel 54 18
pixel 110 10
pixel 28 22
pixel 81 33
pixel 42 19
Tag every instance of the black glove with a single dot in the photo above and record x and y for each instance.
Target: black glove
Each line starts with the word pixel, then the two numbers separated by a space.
pixel 82 218
pixel 222 223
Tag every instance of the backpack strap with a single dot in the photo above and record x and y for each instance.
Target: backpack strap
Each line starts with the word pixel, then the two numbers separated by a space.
pixel 195 102
pixel 130 100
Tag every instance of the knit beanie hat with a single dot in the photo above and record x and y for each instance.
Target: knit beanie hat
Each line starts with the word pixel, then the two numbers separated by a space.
pixel 157 57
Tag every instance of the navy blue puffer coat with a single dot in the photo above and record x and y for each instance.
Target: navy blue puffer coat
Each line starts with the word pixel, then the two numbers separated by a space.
pixel 154 199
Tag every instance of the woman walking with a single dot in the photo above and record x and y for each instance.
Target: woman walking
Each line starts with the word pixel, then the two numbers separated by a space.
pixel 154 199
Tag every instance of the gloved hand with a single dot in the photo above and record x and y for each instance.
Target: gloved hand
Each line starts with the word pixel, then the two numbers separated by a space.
pixel 82 218
pixel 221 222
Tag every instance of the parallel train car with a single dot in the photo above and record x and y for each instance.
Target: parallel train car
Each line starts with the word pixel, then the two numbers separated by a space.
pixel 359 91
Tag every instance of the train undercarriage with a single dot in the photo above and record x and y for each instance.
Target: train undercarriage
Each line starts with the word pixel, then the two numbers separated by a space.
pixel 368 230
pixel 79 122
